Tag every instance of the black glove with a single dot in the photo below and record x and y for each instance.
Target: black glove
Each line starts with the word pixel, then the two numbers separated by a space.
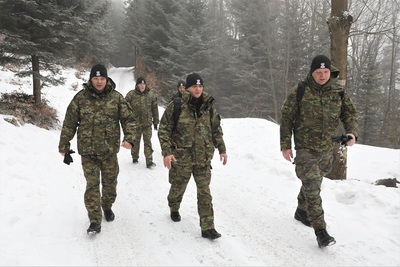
pixel 155 127
pixel 342 139
pixel 67 157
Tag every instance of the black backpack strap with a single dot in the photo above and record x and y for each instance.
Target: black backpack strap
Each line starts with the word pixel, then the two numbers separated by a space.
pixel 300 91
pixel 301 87
pixel 177 111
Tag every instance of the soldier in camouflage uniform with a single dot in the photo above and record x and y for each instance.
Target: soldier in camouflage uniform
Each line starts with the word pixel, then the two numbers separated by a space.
pixel 96 113
pixel 188 148
pixel 144 105
pixel 180 89
pixel 313 121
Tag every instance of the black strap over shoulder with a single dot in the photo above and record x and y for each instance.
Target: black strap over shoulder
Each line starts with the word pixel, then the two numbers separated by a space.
pixel 300 91
pixel 177 110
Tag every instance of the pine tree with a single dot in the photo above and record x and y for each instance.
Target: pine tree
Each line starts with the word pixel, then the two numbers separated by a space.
pixel 44 34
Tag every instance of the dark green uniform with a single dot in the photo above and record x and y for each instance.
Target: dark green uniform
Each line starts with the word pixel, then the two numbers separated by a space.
pixel 313 122
pixel 97 117
pixel 145 106
pixel 193 143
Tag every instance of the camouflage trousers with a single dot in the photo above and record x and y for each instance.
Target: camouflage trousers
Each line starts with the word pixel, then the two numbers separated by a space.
pixel 105 170
pixel 179 176
pixel 146 132
pixel 310 169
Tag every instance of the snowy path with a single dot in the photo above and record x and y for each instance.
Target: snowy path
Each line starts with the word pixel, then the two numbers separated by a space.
pixel 44 220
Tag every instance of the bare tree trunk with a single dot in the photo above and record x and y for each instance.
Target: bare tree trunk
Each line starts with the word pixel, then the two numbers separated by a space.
pixel 140 66
pixel 37 95
pixel 392 84
pixel 339 27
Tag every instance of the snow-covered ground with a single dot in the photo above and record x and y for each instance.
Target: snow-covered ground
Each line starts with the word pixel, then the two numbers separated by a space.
pixel 44 220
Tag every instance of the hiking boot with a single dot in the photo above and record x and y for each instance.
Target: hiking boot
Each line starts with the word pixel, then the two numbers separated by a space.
pixel 210 234
pixel 135 161
pixel 301 215
pixel 150 165
pixel 323 238
pixel 175 216
pixel 109 214
pixel 94 228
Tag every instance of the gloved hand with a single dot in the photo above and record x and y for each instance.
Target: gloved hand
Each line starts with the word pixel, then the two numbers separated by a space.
pixel 67 157
pixel 155 127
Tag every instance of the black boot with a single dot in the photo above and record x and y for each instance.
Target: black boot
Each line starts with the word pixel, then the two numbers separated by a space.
pixel 94 228
pixel 175 216
pixel 323 238
pixel 210 234
pixel 109 214
pixel 301 215
pixel 150 165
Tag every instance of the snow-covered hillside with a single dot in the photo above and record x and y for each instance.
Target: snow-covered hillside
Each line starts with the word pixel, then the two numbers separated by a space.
pixel 44 220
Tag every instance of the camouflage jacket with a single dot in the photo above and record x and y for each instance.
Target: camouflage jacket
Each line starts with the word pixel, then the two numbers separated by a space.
pixel 144 105
pixel 97 118
pixel 196 135
pixel 315 119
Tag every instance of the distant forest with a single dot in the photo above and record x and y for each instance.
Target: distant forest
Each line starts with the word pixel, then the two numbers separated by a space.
pixel 250 53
